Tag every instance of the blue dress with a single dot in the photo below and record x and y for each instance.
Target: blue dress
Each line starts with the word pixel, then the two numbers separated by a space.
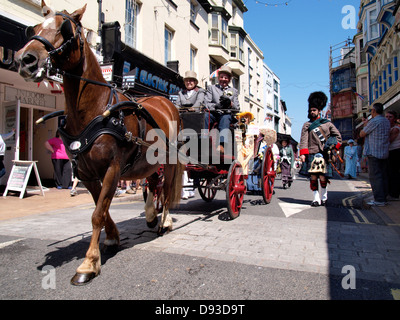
pixel 350 155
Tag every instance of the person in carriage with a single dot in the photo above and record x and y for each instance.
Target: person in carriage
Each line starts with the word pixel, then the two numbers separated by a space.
pixel 192 97
pixel 319 141
pixel 220 99
pixel 189 99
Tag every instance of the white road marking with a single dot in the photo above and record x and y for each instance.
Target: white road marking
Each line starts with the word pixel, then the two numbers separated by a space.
pixel 9 243
pixel 290 209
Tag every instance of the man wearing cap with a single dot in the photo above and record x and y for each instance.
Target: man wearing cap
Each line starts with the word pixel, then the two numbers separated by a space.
pixel 219 100
pixel 192 96
pixel 319 138
pixel 376 147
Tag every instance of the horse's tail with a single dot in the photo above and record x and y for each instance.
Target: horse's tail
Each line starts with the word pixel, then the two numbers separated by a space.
pixel 176 184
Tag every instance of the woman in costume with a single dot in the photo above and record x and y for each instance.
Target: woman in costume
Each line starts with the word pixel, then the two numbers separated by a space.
pixel 350 155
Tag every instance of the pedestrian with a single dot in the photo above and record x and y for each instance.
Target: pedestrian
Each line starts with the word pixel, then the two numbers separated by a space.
pixel 319 140
pixel 3 137
pixel 286 163
pixel 220 100
pixel 192 97
pixel 351 158
pixel 73 191
pixel 394 156
pixel 376 147
pixel 61 163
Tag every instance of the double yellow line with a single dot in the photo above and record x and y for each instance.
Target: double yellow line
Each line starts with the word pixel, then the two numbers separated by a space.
pixel 357 214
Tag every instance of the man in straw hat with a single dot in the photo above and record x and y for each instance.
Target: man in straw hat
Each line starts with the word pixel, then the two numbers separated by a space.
pixel 219 100
pixel 319 138
pixel 192 96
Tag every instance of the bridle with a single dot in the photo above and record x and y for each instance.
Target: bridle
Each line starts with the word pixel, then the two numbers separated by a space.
pixel 57 54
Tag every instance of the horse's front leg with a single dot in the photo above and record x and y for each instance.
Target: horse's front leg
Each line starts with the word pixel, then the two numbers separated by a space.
pixel 91 266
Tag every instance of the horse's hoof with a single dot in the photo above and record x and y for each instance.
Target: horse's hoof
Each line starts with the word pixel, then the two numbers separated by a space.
pixel 153 223
pixel 110 249
pixel 163 230
pixel 80 279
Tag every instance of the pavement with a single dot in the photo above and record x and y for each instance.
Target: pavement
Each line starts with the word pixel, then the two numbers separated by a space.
pixel 54 199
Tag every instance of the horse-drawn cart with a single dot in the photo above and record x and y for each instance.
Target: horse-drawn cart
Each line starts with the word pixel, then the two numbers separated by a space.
pixel 227 171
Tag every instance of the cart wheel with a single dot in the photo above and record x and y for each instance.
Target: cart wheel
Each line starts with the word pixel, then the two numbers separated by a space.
pixel 268 176
pixel 206 193
pixel 235 189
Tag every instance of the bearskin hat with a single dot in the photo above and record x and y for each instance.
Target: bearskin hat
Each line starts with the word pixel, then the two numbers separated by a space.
pixel 317 100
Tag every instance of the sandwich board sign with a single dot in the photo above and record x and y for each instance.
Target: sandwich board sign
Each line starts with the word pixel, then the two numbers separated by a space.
pixel 19 176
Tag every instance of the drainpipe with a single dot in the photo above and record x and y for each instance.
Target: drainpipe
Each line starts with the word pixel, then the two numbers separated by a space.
pixel 101 21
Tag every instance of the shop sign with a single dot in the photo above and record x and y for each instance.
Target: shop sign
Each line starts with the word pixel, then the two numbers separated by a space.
pixel 107 71
pixel 30 97
pixel 146 78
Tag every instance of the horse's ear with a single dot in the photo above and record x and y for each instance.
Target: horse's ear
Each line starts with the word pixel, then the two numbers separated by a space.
pixel 29 32
pixel 77 14
pixel 45 9
pixel 66 30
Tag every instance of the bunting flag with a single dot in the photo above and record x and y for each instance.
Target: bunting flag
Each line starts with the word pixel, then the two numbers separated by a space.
pixel 215 73
pixel 359 95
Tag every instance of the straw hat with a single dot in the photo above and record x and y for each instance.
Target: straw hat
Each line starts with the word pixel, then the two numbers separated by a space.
pixel 190 75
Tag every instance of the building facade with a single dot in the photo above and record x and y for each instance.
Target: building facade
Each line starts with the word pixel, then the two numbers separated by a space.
pixel 378 39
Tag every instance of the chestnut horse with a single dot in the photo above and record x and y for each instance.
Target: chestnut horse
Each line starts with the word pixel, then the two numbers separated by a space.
pixel 118 150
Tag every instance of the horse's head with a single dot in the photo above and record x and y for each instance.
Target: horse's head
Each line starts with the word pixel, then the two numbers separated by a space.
pixel 57 42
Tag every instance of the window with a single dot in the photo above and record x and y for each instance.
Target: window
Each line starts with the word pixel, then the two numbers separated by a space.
pixel 236 46
pixel 363 55
pixel 250 80
pixel 214 29
pixel 193 53
pixel 276 86
pixel 276 104
pixel 373 25
pixel 233 46
pixel 193 11
pixel 241 50
pixel 249 58
pixel 370 25
pixel 395 69
pixel 131 16
pixel 219 30
pixel 167 45
pixel 224 33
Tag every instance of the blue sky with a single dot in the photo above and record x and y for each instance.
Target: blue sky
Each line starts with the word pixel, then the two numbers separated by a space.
pixel 296 40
